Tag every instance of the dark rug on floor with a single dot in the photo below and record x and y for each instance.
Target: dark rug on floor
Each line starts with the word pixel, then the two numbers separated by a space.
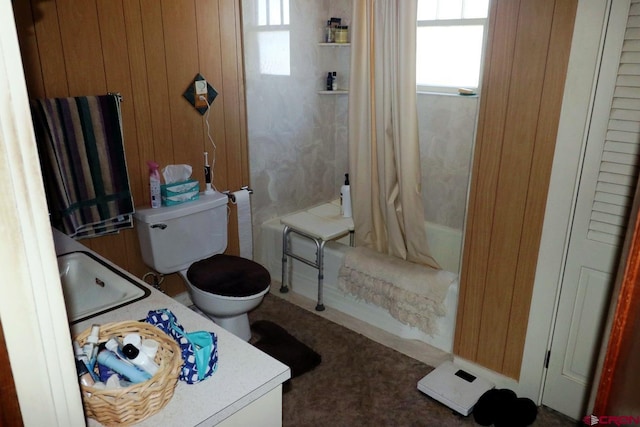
pixel 279 344
pixel 359 382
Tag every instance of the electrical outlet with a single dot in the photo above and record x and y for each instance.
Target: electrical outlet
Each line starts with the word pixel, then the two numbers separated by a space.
pixel 201 87
pixel 201 90
pixel 200 94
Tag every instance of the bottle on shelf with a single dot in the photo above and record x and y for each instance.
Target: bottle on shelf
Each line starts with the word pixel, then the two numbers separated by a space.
pixel 329 80
pixel 328 34
pixel 341 34
pixel 334 81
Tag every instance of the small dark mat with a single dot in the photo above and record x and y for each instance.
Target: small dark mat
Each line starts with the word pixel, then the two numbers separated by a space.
pixel 229 276
pixel 503 408
pixel 281 345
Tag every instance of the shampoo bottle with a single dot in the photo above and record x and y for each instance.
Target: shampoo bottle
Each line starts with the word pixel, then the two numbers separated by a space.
pixel 154 184
pixel 110 360
pixel 329 80
pixel 328 33
pixel 345 197
pixel 90 348
pixel 140 359
pixel 83 374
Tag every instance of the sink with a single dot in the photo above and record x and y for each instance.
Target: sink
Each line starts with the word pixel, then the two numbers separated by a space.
pixel 92 286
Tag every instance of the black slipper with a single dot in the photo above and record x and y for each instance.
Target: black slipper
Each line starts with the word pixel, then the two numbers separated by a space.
pixel 491 403
pixel 522 412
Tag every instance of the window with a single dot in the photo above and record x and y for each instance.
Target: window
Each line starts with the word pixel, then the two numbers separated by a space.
pixel 273 37
pixel 450 35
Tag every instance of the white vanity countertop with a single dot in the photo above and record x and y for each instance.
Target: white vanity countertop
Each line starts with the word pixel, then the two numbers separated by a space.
pixel 244 373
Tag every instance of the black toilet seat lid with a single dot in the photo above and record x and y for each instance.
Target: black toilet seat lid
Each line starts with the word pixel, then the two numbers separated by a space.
pixel 229 276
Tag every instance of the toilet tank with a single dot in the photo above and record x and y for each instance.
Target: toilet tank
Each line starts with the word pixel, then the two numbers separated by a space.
pixel 174 237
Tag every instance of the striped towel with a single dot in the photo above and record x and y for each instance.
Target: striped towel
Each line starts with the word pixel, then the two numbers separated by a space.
pixel 83 163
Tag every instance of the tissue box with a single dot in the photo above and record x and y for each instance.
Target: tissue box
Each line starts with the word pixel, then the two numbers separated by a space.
pixel 179 192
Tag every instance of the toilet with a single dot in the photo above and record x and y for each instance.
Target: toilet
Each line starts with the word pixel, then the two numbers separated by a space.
pixel 190 238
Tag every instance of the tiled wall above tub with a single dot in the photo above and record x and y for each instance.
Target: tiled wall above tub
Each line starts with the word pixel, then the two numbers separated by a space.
pixel 446 126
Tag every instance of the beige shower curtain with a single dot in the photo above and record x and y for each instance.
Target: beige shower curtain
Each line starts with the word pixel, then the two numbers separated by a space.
pixel 384 156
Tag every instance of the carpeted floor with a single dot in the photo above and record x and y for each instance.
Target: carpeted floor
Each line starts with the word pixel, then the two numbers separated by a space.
pixel 359 382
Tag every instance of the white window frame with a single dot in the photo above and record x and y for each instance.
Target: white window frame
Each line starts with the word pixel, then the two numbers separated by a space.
pixel 456 22
pixel 268 26
pixel 275 26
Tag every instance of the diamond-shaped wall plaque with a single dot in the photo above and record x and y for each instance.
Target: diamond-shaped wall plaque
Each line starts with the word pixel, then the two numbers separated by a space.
pixel 190 95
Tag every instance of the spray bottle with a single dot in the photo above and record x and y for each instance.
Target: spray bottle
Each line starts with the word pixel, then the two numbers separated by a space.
pixel 154 184
pixel 345 197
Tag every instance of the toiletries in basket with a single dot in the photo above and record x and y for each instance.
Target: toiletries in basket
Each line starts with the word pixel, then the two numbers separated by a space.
pixel 140 359
pixel 133 374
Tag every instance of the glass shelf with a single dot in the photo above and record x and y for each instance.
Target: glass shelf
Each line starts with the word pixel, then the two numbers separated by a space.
pixel 333 92
pixel 334 44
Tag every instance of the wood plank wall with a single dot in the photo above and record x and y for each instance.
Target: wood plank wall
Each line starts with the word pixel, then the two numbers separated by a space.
pixel 149 51
pixel 523 82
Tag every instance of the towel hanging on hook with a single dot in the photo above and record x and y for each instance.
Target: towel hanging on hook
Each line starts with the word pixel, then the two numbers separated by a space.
pixel 81 148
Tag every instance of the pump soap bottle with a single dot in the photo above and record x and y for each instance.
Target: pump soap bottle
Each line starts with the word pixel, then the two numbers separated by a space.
pixel 345 197
pixel 328 33
pixel 154 184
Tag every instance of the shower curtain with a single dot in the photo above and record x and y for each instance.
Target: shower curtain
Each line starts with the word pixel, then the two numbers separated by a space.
pixel 384 155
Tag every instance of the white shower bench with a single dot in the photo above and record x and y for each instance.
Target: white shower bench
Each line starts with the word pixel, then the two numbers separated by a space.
pixel 319 224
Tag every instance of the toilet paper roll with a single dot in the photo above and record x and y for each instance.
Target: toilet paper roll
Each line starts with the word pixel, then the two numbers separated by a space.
pixel 245 233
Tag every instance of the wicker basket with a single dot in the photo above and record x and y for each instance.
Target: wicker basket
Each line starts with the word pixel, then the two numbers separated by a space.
pixel 137 402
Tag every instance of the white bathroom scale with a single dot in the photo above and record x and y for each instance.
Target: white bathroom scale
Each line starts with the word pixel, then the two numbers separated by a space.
pixel 454 387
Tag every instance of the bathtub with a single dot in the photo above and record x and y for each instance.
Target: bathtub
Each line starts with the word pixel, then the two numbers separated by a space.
pixel 445 245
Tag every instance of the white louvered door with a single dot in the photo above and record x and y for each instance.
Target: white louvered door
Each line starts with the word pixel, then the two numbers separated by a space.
pixel 606 187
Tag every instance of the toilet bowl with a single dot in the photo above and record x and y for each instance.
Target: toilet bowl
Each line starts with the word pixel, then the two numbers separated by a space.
pixel 189 239
pixel 226 288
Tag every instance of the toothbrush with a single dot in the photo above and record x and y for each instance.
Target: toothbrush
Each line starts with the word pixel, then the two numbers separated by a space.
pixel 207 174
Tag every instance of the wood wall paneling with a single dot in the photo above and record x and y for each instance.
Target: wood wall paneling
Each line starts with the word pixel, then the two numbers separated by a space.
pixel 521 96
pixel 156 89
pixel 181 49
pixel 243 145
pixel 233 101
pixel 149 51
pixel 491 124
pixel 139 101
pixel 534 21
pixel 542 159
pixel 82 47
pixel 210 55
pixel 49 48
pixel 24 17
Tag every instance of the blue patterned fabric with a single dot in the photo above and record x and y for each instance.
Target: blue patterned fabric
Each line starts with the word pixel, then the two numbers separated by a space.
pixel 199 349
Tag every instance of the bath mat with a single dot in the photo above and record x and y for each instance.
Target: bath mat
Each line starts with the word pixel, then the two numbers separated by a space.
pixel 279 344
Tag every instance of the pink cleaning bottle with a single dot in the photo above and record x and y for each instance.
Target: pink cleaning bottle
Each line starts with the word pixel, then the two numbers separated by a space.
pixel 154 184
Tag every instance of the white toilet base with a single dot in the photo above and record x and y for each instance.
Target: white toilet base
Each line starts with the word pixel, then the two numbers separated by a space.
pixel 231 311
pixel 237 325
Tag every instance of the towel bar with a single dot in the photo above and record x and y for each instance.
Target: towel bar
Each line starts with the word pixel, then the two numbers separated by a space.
pixel 116 94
